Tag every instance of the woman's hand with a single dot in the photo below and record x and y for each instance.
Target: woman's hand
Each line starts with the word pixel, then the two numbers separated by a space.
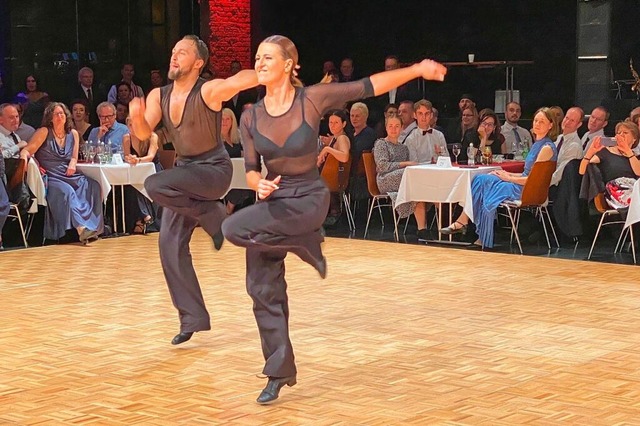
pixel 625 150
pixel 595 146
pixel 266 187
pixel 326 140
pixel 131 159
pixel 505 176
pixel 71 169
pixel 322 157
pixel 432 70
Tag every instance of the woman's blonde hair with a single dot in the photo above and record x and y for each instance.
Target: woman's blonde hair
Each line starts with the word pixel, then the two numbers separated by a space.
pixel 289 51
pixel 551 116
pixel 234 133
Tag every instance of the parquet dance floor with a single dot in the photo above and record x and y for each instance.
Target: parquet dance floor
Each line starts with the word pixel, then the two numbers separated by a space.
pixel 397 334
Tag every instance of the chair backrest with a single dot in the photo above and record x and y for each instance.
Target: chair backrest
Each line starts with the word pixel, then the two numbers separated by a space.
pixel 536 190
pixel 600 203
pixel 16 169
pixel 336 174
pixel 370 171
pixel 167 158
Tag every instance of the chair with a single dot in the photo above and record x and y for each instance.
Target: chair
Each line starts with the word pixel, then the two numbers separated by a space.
pixel 534 197
pixel 372 185
pixel 16 178
pixel 601 205
pixel 167 158
pixel 336 176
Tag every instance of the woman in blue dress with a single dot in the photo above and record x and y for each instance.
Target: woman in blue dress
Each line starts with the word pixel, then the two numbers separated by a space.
pixel 74 201
pixel 490 190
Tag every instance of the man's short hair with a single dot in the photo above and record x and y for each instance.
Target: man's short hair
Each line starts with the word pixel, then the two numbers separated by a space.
pixel 106 104
pixel 362 107
pixel 423 102
pixel 201 47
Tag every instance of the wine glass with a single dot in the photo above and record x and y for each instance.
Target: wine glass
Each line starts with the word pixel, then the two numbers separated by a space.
pixel 455 148
pixel 92 153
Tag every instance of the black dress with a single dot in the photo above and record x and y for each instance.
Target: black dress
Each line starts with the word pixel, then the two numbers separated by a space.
pixel 289 220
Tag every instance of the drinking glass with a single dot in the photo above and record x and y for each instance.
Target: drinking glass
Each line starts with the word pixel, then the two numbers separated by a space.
pixel 91 153
pixel 455 148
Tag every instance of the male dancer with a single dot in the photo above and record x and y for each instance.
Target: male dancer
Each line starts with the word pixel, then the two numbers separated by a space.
pixel 190 110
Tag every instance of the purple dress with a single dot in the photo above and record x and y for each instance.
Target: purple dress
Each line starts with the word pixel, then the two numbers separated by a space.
pixel 72 200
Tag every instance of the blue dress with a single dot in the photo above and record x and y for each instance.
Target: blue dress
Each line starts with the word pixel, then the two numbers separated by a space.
pixel 488 191
pixel 72 200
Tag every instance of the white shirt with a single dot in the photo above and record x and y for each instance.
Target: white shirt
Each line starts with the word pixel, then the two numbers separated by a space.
pixel 422 148
pixel 571 149
pixel 8 145
pixel 405 132
pixel 510 137
pixel 590 137
pixel 392 95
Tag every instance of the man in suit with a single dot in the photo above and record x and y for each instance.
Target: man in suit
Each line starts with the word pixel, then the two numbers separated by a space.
pixel 236 103
pixel 87 90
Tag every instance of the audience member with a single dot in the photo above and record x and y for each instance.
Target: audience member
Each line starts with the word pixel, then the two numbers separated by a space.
pixel 407 116
pixel 10 142
pixel 122 112
pixel 388 111
pixel 489 190
pixel 425 144
pixel 598 120
pixel 140 211
pixel 347 70
pixel 127 71
pixel 4 200
pixel 434 120
pixel 469 131
pixel 455 129
pixel 235 198
pixel 80 116
pixel 73 200
pixel 250 95
pixel 156 78
pixel 24 130
pixel 489 133
pixel 109 130
pixel 568 143
pixel 88 91
pixel 37 101
pixel 516 137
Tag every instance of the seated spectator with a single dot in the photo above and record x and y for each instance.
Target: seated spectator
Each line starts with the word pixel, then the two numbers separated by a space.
pixel 4 200
pixel 455 129
pixel 469 131
pixel 614 162
pixel 122 112
pixel 425 144
pixel 490 190
pixel 391 159
pixel 516 137
pixel 140 211
pixel 434 121
pixel 37 101
pixel 388 111
pixel 157 79
pixel 80 116
pixel 10 143
pixel 127 71
pixel 408 117
pixel 363 139
pixel 73 200
pixel 489 133
pixel 568 143
pixel 110 130
pixel 338 145
pixel 123 93
pixel 24 130
pixel 230 135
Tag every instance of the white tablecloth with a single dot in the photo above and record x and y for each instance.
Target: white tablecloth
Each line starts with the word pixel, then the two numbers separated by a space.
pixel 36 185
pixel 109 175
pixel 239 178
pixel 633 216
pixel 431 183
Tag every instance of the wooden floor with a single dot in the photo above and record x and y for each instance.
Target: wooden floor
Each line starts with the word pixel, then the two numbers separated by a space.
pixel 397 334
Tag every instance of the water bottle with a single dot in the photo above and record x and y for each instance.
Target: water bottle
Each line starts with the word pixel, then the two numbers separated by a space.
pixel 109 151
pixel 471 155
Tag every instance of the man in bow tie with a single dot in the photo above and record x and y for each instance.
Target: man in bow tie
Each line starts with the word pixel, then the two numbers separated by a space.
pixel 425 143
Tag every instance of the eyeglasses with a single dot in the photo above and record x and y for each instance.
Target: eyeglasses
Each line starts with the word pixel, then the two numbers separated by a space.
pixel 485 124
pixel 106 117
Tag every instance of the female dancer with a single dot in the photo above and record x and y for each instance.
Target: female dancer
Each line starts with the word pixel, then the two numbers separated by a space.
pixel 283 129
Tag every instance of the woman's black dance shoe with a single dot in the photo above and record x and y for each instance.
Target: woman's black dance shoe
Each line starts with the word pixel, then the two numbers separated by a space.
pixel 322 267
pixel 218 239
pixel 181 337
pixel 272 390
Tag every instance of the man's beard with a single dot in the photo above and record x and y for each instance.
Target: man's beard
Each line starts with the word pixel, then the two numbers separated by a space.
pixel 174 75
